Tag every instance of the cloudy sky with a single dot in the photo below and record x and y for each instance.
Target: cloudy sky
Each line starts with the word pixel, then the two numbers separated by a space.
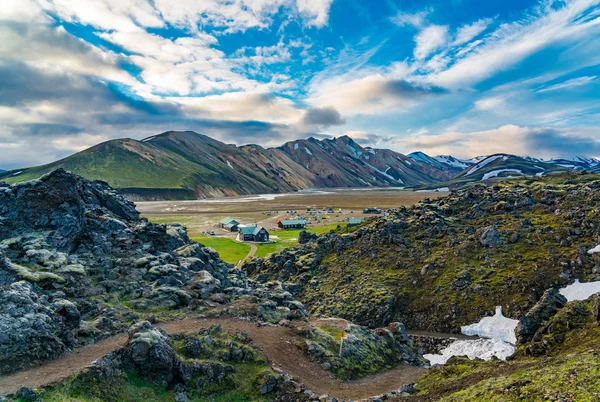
pixel 461 77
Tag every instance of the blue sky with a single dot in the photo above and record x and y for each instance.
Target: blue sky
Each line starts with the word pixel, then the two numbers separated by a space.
pixel 459 77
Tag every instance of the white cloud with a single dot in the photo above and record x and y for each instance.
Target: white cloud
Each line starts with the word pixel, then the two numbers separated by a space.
pixel 416 20
pixel 572 83
pixel 493 103
pixel 467 32
pixel 241 106
pixel 429 40
pixel 513 42
pixel 539 141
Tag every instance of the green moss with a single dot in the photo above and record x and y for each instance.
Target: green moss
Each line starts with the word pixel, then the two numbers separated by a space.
pixel 31 275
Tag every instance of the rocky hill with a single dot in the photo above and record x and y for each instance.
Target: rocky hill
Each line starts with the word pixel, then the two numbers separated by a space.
pixel 190 165
pixel 444 263
pixel 79 267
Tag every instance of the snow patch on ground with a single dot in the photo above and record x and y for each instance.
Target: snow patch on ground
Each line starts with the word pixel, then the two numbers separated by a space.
pixel 307 151
pixel 295 146
pixel 17 173
pixel 494 327
pixel 497 339
pixel 435 190
pixel 149 138
pixel 495 173
pixel 479 348
pixel 594 250
pixel 580 291
pixel 229 164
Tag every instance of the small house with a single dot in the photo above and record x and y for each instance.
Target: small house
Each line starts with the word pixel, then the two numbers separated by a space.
pixel 292 224
pixel 253 233
pixel 229 224
pixel 354 221
pixel 371 211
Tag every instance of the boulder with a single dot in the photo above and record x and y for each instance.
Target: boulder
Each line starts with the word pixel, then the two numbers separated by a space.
pixel 549 304
pixel 31 328
pixel 489 237
pixel 148 350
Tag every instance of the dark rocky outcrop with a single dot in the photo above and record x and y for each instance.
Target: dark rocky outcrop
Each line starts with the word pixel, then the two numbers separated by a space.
pixel 544 309
pixel 83 252
pixel 32 328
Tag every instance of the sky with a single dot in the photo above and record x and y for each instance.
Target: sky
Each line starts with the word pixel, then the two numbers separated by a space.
pixel 459 77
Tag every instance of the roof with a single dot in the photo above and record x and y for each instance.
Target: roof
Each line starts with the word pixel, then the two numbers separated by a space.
pixel 232 224
pixel 293 222
pixel 250 230
pixel 354 220
pixel 228 221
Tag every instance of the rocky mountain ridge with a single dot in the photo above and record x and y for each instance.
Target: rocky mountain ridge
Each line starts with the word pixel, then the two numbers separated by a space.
pixel 182 165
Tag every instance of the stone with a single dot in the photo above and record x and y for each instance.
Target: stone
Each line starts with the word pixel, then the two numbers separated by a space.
pixel 548 305
pixel 490 237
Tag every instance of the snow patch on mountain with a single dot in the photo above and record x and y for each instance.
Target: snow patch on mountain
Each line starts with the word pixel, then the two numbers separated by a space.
pixel 354 151
pixel 483 163
pixel 495 173
pixel 452 161
pixel 399 180
pixel 307 151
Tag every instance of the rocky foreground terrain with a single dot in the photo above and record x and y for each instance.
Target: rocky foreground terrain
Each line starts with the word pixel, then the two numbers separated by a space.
pixel 156 316
pixel 443 263
pixel 79 266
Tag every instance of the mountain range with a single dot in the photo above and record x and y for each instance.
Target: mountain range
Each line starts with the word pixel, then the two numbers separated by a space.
pixel 185 165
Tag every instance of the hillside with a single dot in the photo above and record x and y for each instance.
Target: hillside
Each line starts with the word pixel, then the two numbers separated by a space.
pixel 444 263
pixel 498 166
pixel 192 165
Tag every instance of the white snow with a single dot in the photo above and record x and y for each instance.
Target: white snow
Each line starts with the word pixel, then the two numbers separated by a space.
pixel 307 151
pixel 594 250
pixel 494 327
pixel 497 339
pixel 540 174
pixel 17 173
pixel 384 173
pixel 229 164
pixel 295 146
pixel 483 163
pixel 363 181
pixel 149 138
pixel 371 151
pixel 435 190
pixel 452 161
pixel 478 348
pixel 495 173
pixel 580 291
pixel 356 153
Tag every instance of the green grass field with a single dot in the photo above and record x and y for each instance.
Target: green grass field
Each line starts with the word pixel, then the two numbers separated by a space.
pixel 289 238
pixel 229 250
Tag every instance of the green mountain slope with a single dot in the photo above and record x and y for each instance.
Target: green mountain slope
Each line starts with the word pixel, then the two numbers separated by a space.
pixel 192 165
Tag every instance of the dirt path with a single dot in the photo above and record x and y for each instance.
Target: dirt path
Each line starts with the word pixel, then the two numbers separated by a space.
pixel 273 341
pixel 253 249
